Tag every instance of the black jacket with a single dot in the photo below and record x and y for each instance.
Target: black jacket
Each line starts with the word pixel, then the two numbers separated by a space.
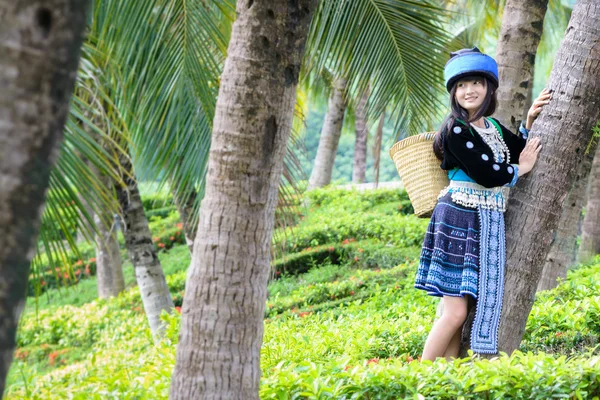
pixel 465 149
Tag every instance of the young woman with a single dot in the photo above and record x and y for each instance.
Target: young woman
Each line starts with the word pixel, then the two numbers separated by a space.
pixel 464 249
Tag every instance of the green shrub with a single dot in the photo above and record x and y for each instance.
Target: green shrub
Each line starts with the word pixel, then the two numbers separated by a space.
pixel 160 212
pixel 158 200
pixel 49 278
pixel 363 254
pixel 363 200
pixel 397 230
pixel 523 376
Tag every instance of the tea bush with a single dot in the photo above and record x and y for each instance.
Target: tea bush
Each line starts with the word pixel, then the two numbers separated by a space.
pixel 349 327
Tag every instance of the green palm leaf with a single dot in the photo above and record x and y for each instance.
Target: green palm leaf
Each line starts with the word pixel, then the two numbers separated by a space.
pixel 396 47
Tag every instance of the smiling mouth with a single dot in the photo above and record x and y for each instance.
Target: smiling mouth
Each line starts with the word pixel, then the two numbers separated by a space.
pixel 471 99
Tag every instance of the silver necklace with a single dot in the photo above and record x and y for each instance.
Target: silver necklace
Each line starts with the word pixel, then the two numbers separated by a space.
pixel 493 139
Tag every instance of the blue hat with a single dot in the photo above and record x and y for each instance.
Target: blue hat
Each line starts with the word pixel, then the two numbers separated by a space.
pixel 470 62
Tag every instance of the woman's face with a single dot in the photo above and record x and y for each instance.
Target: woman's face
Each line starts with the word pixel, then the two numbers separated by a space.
pixel 470 93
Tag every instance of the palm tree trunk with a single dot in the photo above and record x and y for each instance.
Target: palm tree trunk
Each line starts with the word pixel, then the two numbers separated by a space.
pixel 330 136
pixel 564 247
pixel 522 25
pixel 590 235
pixel 377 148
pixel 565 127
pixel 218 356
pixel 185 205
pixel 109 267
pixel 39 43
pixel 360 146
pixel 138 240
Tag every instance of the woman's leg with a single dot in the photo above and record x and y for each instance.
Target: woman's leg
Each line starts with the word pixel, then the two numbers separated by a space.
pixel 445 328
pixel 454 345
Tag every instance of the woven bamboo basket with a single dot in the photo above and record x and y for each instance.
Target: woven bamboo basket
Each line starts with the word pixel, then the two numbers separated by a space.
pixel 420 171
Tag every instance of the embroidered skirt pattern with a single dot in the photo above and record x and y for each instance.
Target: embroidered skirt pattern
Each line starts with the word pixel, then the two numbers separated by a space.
pixel 484 333
pixel 449 264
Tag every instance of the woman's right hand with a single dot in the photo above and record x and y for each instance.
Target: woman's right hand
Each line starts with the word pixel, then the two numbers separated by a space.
pixel 529 155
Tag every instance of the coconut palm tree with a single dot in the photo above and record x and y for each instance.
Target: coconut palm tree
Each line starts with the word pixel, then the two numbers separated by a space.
pixel 536 202
pixel 226 289
pixel 39 64
pixel 590 237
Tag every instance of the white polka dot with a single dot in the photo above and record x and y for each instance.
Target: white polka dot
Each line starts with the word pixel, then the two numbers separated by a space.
pixel 496 167
pixel 470 145
pixel 457 129
pixel 510 170
pixel 485 157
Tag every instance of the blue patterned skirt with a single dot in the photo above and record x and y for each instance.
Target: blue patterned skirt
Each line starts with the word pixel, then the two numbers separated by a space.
pixel 449 264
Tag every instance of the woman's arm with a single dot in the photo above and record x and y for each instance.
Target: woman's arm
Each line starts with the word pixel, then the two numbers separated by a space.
pixel 477 160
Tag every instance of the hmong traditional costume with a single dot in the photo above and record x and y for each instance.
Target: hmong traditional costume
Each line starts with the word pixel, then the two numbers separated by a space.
pixel 464 248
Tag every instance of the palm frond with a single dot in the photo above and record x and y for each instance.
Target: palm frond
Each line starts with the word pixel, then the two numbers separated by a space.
pixel 398 48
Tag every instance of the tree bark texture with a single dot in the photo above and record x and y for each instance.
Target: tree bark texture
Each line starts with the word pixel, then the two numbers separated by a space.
pixel 590 234
pixel 330 136
pixel 146 265
pixel 359 167
pixel 39 48
pixel 377 148
pixel 185 205
pixel 536 202
pixel 522 25
pixel 109 266
pixel 563 252
pixel 218 356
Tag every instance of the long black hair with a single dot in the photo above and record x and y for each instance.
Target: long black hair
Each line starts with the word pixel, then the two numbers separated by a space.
pixel 488 107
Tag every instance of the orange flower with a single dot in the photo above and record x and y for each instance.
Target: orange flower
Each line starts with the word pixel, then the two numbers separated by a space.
pixel 79 262
pixel 178 309
pixel 43 283
pixel 304 314
pixel 172 238
pixel 352 293
pixel 360 250
pixel 331 249
pixel 52 357
pixel 156 239
pixel 356 258
pixel 179 225
pixel 161 245
pixel 373 361
pixel 78 272
pixel 93 259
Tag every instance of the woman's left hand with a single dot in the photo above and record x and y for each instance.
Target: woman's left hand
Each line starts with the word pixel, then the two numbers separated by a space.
pixel 536 107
